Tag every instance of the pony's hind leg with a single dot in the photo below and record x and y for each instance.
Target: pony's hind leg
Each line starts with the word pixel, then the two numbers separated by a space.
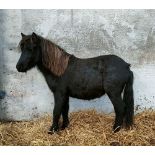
pixel 119 108
pixel 65 110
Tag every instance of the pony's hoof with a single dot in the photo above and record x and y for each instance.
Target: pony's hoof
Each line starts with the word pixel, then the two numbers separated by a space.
pixel 116 129
pixel 53 130
pixel 65 125
pixel 129 127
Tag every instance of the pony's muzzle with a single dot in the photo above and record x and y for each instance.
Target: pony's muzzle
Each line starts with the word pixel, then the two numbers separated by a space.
pixel 20 67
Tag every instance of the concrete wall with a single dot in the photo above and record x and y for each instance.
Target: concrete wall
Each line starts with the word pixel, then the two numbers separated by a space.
pixel 129 34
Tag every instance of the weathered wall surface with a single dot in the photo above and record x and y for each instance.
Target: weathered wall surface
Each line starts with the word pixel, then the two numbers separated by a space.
pixel 129 34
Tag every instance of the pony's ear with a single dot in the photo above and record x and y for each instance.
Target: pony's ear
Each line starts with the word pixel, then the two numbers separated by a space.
pixel 23 35
pixel 34 36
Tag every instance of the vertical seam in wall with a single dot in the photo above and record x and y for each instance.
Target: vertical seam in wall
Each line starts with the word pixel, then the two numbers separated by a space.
pixel 72 17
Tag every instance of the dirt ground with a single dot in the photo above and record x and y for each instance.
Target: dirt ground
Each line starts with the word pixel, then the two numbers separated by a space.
pixel 86 128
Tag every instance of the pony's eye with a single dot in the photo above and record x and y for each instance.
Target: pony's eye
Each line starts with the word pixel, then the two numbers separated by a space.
pixel 22 45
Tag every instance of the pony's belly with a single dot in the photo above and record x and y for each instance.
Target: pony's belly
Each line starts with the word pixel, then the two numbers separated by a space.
pixel 87 95
pixel 87 92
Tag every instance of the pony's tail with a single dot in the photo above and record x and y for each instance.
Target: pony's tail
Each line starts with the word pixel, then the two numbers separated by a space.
pixel 128 98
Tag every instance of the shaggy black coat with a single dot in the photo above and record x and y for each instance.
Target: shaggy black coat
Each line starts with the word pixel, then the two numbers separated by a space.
pixel 83 79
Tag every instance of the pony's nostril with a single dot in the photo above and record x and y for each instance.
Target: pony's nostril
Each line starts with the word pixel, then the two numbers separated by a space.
pixel 19 67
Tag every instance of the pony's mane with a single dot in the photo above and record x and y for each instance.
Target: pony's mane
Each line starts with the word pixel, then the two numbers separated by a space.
pixel 54 58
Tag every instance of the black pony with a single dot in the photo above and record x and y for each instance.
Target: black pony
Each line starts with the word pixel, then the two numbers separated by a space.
pixel 69 76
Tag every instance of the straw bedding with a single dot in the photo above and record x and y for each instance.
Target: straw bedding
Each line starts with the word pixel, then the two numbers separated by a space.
pixel 86 128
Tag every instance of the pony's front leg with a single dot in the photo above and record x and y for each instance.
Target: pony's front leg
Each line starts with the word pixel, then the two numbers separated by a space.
pixel 59 102
pixel 65 110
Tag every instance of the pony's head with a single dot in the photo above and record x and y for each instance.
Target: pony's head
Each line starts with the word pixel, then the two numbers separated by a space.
pixel 30 52
pixel 37 50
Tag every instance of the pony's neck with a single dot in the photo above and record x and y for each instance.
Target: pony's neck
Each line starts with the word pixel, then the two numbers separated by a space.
pixel 45 71
pixel 53 58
